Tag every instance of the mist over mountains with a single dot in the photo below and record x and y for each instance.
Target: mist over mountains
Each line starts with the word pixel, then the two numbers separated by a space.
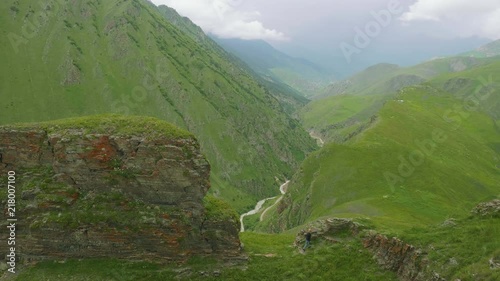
pixel 397 31
pixel 383 50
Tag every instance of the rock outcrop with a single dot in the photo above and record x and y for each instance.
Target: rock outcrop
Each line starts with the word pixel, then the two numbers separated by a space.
pixel 488 209
pixel 407 261
pixel 121 187
pixel 328 230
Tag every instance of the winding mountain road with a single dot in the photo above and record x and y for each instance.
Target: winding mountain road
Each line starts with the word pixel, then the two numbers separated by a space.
pixel 259 205
pixel 317 138
pixel 283 189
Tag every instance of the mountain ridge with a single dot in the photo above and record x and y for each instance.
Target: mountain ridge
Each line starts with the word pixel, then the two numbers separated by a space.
pixel 491 49
pixel 125 57
pixel 290 98
pixel 300 74
pixel 408 124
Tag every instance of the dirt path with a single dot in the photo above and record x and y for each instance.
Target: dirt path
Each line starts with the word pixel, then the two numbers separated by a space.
pixel 283 189
pixel 317 137
pixel 259 205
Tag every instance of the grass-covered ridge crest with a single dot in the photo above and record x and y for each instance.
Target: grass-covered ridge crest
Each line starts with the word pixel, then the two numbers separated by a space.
pixel 113 124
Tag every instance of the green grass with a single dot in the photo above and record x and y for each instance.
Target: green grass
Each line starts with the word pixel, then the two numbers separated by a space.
pixel 217 209
pixel 387 78
pixel 345 107
pixel 477 84
pixel 307 81
pixel 350 180
pixel 95 269
pixel 456 173
pixel 323 261
pixel 334 118
pixel 460 251
pixel 149 127
pixel 273 257
pixel 335 109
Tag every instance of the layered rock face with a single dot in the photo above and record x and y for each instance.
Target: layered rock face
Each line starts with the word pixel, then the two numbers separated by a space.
pixel 81 192
pixel 396 255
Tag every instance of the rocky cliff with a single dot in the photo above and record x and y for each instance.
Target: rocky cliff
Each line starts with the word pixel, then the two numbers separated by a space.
pixel 111 186
pixel 409 262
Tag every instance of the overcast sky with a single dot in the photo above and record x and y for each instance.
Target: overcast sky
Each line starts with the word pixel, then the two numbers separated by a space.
pixel 305 26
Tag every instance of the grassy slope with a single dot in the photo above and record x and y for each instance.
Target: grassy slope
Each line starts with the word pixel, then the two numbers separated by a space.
pixel 461 251
pixel 480 83
pixel 324 261
pixel 300 74
pixel 290 99
pixel 335 118
pixel 382 78
pixel 123 57
pixel 347 180
pixel 354 102
pixel 111 124
pixel 350 180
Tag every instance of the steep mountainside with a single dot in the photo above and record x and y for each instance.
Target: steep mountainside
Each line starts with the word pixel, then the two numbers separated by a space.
pixel 65 59
pixel 302 75
pixel 424 160
pixel 186 25
pixel 429 154
pixel 111 187
pixel 362 80
pixel 481 82
pixel 290 99
pixel 428 157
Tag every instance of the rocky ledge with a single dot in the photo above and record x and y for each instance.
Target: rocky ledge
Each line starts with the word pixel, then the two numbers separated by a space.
pixel 110 186
pixel 407 261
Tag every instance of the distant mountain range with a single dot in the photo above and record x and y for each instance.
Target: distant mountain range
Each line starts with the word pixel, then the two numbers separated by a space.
pixel 275 65
pixel 389 78
pixel 489 50
pixel 346 106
